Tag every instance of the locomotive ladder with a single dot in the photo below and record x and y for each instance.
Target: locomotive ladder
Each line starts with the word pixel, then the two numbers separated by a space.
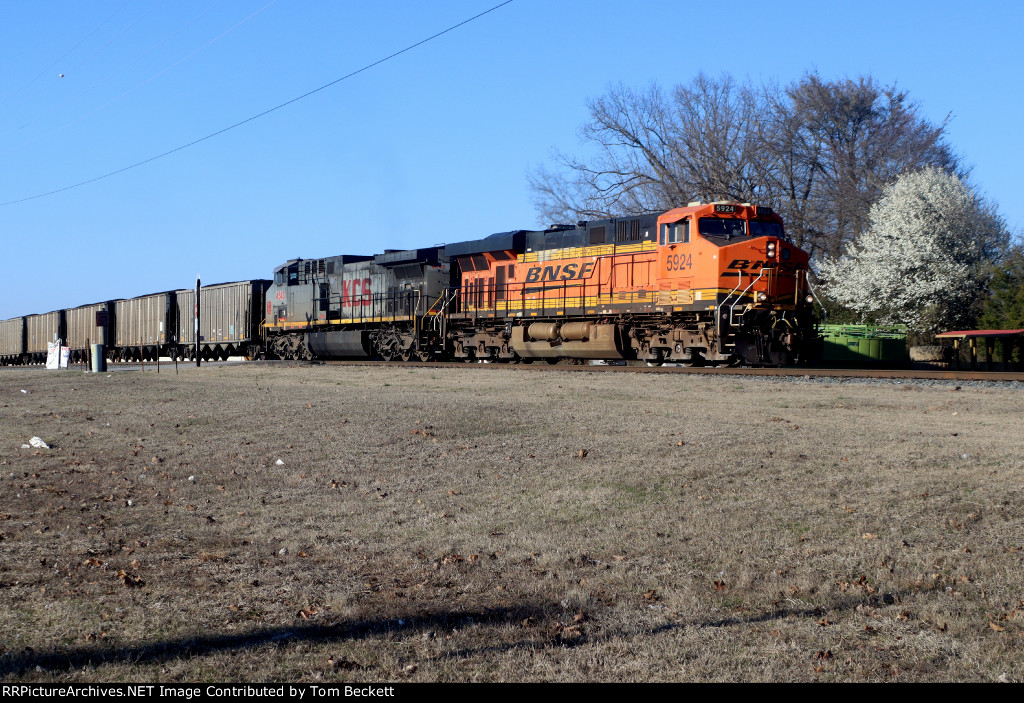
pixel 437 312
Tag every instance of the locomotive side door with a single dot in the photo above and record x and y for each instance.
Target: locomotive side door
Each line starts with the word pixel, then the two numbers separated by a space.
pixel 675 262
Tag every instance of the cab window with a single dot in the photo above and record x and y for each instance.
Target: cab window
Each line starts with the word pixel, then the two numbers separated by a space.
pixel 722 227
pixel 765 229
pixel 675 233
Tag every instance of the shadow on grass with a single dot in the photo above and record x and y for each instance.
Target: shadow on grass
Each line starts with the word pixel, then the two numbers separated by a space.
pixel 63 659
pixel 537 636
pixel 609 634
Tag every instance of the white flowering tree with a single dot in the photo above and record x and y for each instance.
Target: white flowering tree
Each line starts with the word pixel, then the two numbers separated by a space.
pixel 922 261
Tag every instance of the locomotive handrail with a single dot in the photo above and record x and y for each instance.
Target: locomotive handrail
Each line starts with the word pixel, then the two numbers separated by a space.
pixel 824 312
pixel 718 315
pixel 732 308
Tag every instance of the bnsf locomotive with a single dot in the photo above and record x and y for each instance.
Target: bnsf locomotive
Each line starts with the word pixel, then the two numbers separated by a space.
pixel 715 283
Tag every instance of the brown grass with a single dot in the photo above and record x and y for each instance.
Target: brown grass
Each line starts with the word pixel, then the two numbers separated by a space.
pixel 486 524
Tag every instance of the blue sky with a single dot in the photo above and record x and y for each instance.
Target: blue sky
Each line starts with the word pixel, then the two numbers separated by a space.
pixel 432 146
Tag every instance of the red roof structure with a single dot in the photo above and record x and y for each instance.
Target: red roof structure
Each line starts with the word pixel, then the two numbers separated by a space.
pixel 980 333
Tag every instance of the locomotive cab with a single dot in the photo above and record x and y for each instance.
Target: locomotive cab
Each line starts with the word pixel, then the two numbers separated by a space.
pixel 734 266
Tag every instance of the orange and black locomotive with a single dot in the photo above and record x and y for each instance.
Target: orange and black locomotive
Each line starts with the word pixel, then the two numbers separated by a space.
pixel 715 283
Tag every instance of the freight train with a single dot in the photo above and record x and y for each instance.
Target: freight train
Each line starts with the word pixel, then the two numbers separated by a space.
pixel 145 328
pixel 715 283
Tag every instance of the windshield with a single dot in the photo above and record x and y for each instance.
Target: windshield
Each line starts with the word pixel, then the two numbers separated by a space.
pixel 765 229
pixel 721 227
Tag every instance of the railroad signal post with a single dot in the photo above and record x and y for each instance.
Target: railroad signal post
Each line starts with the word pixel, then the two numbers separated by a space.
pixel 196 340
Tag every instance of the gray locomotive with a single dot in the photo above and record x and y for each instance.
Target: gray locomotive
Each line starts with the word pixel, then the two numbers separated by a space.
pixel 390 305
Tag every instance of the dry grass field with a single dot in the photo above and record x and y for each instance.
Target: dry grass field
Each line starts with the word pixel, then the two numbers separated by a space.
pixel 327 524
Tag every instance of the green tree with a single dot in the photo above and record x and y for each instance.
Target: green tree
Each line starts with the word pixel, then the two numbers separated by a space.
pixel 1003 309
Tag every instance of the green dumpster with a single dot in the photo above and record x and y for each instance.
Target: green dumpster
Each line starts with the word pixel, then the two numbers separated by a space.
pixel 864 344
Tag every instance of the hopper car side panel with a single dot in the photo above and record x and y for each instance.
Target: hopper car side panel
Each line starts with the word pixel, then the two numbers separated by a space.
pixel 82 329
pixel 40 331
pixel 12 341
pixel 231 315
pixel 144 326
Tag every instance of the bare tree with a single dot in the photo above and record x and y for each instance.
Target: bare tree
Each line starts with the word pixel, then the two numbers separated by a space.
pixel 653 153
pixel 858 137
pixel 820 152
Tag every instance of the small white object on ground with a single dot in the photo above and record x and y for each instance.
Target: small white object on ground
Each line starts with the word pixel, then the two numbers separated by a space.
pixel 191 478
pixel 38 443
pixel 24 391
pixel 279 462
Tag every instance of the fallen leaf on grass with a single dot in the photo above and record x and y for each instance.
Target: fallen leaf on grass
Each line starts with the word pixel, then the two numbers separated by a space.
pixel 651 595
pixel 130 581
pixel 869 535
pixel 997 628
pixel 721 586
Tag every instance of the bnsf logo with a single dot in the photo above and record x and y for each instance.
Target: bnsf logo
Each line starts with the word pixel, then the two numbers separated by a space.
pixel 569 272
pixel 783 266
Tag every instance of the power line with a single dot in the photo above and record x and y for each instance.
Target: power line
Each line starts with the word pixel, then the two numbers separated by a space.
pixel 265 112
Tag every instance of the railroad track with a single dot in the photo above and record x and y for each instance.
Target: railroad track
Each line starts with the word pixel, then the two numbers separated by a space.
pixel 815 372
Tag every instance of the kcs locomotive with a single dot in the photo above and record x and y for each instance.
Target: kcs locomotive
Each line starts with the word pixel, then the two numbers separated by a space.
pixel 714 283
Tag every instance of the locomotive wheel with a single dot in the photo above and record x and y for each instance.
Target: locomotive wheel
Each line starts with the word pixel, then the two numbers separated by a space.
pixel 406 354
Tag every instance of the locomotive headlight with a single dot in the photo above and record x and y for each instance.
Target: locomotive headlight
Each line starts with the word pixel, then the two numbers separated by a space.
pixel 808 298
pixel 762 296
pixel 771 250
